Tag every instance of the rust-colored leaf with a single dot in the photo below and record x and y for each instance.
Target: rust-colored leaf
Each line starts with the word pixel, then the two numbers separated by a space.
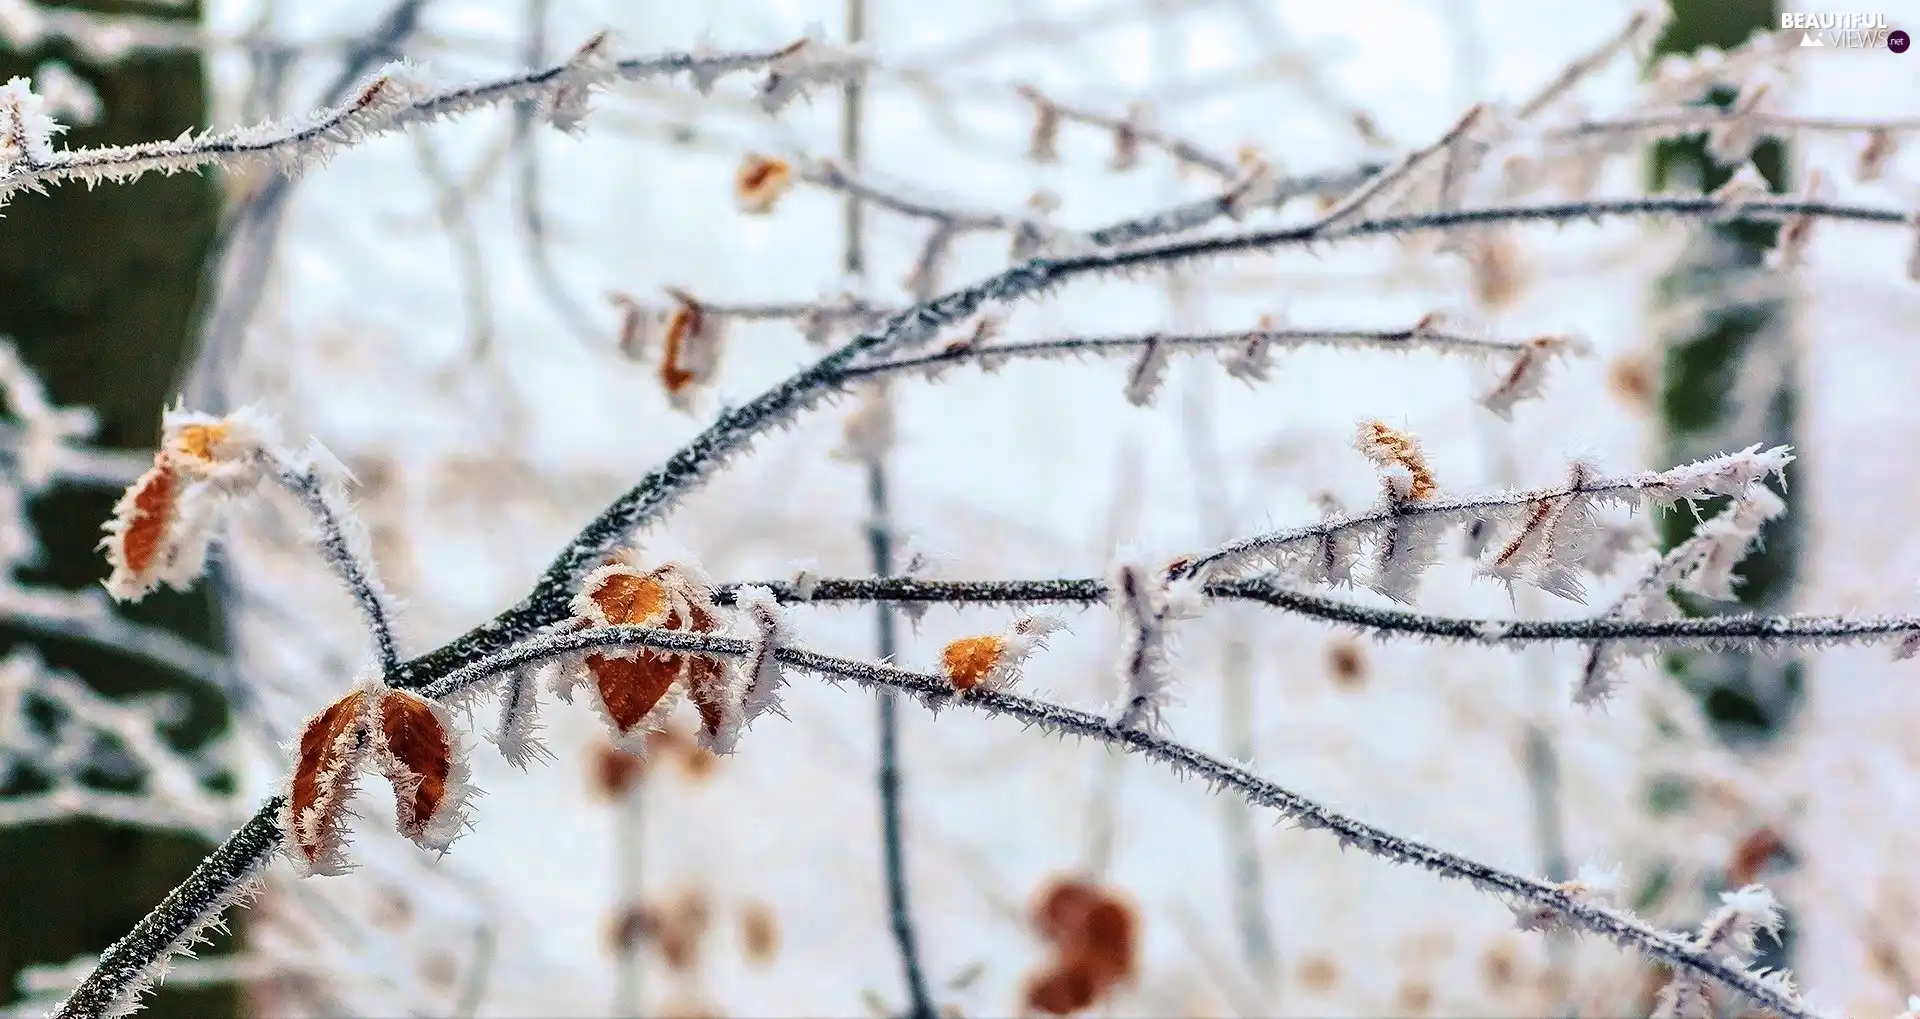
pixel 1389 447
pixel 683 327
pixel 330 749
pixel 417 756
pixel 141 537
pixel 630 688
pixel 1096 944
pixel 1063 990
pixel 760 183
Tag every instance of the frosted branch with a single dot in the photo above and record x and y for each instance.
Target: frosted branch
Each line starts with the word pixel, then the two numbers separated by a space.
pixel 390 100
pixel 320 485
pixel 1249 347
pixel 1729 630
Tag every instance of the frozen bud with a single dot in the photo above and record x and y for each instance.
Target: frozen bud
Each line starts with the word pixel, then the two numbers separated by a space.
pixel 760 668
pixel 807 62
pixel 517 736
pixel 1252 361
pixel 1147 372
pixel 1525 377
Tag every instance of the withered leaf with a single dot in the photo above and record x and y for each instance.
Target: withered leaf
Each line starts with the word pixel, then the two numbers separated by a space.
pixel 331 746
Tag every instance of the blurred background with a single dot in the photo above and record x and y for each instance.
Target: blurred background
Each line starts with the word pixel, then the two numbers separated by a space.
pixel 443 308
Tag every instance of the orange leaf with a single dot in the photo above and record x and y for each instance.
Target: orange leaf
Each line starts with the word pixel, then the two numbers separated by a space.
pixel 415 751
pixel 197 441
pixel 684 325
pixel 760 183
pixel 630 688
pixel 627 599
pixel 970 660
pixel 331 745
pixel 141 536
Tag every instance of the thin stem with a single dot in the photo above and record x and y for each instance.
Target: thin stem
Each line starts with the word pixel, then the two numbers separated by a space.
pixel 892 834
pixel 1753 629
pixel 359 117
pixel 880 546
pixel 340 552
pixel 1116 346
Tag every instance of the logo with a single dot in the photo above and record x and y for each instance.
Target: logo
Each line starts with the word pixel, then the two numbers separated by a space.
pixel 1855 31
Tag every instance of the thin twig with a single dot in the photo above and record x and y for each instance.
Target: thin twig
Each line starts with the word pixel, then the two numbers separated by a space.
pixel 1744 629
pixel 893 845
pixel 368 113
pixel 342 551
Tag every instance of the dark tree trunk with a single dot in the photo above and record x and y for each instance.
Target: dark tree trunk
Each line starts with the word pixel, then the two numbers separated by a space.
pixel 100 292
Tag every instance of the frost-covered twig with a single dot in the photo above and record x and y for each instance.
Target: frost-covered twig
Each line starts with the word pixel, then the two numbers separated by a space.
pixel 1816 630
pixel 1130 132
pixel 1701 209
pixel 131 965
pixel 1729 934
pixel 391 100
pixel 830 176
pixel 320 485
pixel 1543 525
pixel 1246 351
pixel 1640 27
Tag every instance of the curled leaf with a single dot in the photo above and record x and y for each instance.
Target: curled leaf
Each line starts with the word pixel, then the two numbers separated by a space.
pixel 332 745
pixel 413 748
pixel 692 351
